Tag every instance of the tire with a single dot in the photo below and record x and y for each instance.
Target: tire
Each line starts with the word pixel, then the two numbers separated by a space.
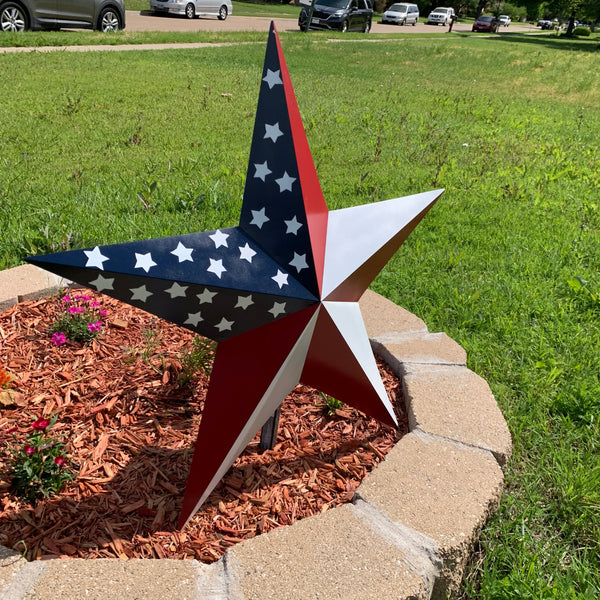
pixel 414 23
pixel 13 18
pixel 344 27
pixel 190 11
pixel 403 22
pixel 367 27
pixel 109 20
pixel 222 13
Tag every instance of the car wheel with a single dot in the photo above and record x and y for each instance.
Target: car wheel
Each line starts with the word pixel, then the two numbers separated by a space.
pixel 367 27
pixel 13 18
pixel 190 11
pixel 344 27
pixel 414 23
pixel 403 22
pixel 109 20
pixel 222 13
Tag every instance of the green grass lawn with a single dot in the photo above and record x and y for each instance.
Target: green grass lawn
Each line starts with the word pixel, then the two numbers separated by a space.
pixel 99 148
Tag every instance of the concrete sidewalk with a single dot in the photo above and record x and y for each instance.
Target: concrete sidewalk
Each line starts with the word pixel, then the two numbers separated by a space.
pixel 407 534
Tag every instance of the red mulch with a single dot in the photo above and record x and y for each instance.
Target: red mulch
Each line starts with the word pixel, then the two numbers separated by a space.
pixel 129 431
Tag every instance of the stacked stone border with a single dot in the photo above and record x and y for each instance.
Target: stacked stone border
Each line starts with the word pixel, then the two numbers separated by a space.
pixel 407 535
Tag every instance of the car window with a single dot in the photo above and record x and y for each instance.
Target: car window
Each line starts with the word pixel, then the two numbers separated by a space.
pixel 398 7
pixel 333 3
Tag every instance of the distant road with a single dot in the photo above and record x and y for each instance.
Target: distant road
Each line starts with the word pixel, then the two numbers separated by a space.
pixel 146 21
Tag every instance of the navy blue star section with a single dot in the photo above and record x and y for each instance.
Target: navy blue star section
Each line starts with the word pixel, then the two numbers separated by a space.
pixel 279 292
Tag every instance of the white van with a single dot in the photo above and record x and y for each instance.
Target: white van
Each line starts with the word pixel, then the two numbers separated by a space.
pixel 442 15
pixel 401 14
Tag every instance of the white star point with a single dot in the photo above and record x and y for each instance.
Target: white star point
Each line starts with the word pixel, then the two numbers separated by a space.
pixel 144 261
pixel 280 279
pixel 278 309
pixel 224 325
pixel 273 78
pixel 272 132
pixel 219 238
pixel 103 283
pixel 140 293
pixel 206 297
pixel 95 258
pixel 293 225
pixel 262 170
pixel 299 262
pixel 244 302
pixel 285 182
pixel 246 253
pixel 216 267
pixel 193 319
pixel 182 253
pixel 176 290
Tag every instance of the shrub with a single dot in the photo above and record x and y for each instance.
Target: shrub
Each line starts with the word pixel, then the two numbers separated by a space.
pixel 581 31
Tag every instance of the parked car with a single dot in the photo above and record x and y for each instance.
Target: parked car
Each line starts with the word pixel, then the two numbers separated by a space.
pixel 504 20
pixel 193 8
pixel 545 24
pixel 345 15
pixel 441 15
pixel 486 23
pixel 104 15
pixel 401 14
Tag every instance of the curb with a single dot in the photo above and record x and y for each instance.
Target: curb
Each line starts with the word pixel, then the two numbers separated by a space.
pixel 408 534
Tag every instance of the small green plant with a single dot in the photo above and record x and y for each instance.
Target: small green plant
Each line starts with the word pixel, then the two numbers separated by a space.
pixel 330 404
pixel 582 31
pixel 580 287
pixel 39 466
pixel 197 359
pixel 79 319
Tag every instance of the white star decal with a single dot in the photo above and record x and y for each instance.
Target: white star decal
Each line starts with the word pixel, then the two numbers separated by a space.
pixel 262 170
pixel 183 253
pixel 95 258
pixel 280 279
pixel 206 297
pixel 278 309
pixel 246 253
pixel 273 78
pixel 193 319
pixel 219 238
pixel 144 261
pixel 259 218
pixel 216 267
pixel 299 262
pixel 103 283
pixel 285 182
pixel 244 302
pixel 224 325
pixel 293 225
pixel 272 132
pixel 176 290
pixel 140 293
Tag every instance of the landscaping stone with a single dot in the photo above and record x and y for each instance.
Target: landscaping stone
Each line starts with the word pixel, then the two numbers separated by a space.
pixel 382 317
pixel 335 556
pixel 10 564
pixel 108 579
pixel 26 283
pixel 455 403
pixel 441 489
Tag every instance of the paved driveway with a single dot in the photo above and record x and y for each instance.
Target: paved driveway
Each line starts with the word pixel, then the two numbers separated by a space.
pixel 146 21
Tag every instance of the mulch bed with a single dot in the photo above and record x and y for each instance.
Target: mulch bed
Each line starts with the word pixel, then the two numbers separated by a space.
pixel 129 431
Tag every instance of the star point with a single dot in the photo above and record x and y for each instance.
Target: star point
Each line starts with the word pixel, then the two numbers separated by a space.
pixel 176 290
pixel 273 78
pixel 285 182
pixel 182 253
pixel 95 258
pixel 278 309
pixel 206 296
pixel 219 238
pixel 299 261
pixel 292 225
pixel 246 253
pixel 272 132
pixel 280 279
pixel 224 325
pixel 144 261
pixel 103 283
pixel 259 217
pixel 262 170
pixel 140 293
pixel 216 267
pixel 244 302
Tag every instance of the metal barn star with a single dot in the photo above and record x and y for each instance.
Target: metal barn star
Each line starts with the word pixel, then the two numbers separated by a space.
pixel 279 292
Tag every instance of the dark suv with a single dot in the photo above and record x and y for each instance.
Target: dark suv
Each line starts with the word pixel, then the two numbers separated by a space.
pixel 345 15
pixel 105 15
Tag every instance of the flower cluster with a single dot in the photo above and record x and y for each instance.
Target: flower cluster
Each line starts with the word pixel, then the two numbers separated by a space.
pixel 40 465
pixel 80 319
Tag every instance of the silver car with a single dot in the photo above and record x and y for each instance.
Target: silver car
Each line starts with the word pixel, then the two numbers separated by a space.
pixel 193 8
pixel 104 15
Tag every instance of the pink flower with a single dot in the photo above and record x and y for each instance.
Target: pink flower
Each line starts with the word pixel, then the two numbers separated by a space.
pixel 29 449
pixel 75 310
pixel 95 304
pixel 59 460
pixel 59 338
pixel 40 424
pixel 12 429
pixel 102 313
pixel 86 298
pixel 94 327
pixel 66 298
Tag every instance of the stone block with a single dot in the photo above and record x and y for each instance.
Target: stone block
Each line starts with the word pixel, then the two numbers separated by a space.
pixel 27 282
pixel 337 555
pixel 441 489
pixel 455 403
pixel 381 316
pixel 399 350
pixel 10 564
pixel 112 579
